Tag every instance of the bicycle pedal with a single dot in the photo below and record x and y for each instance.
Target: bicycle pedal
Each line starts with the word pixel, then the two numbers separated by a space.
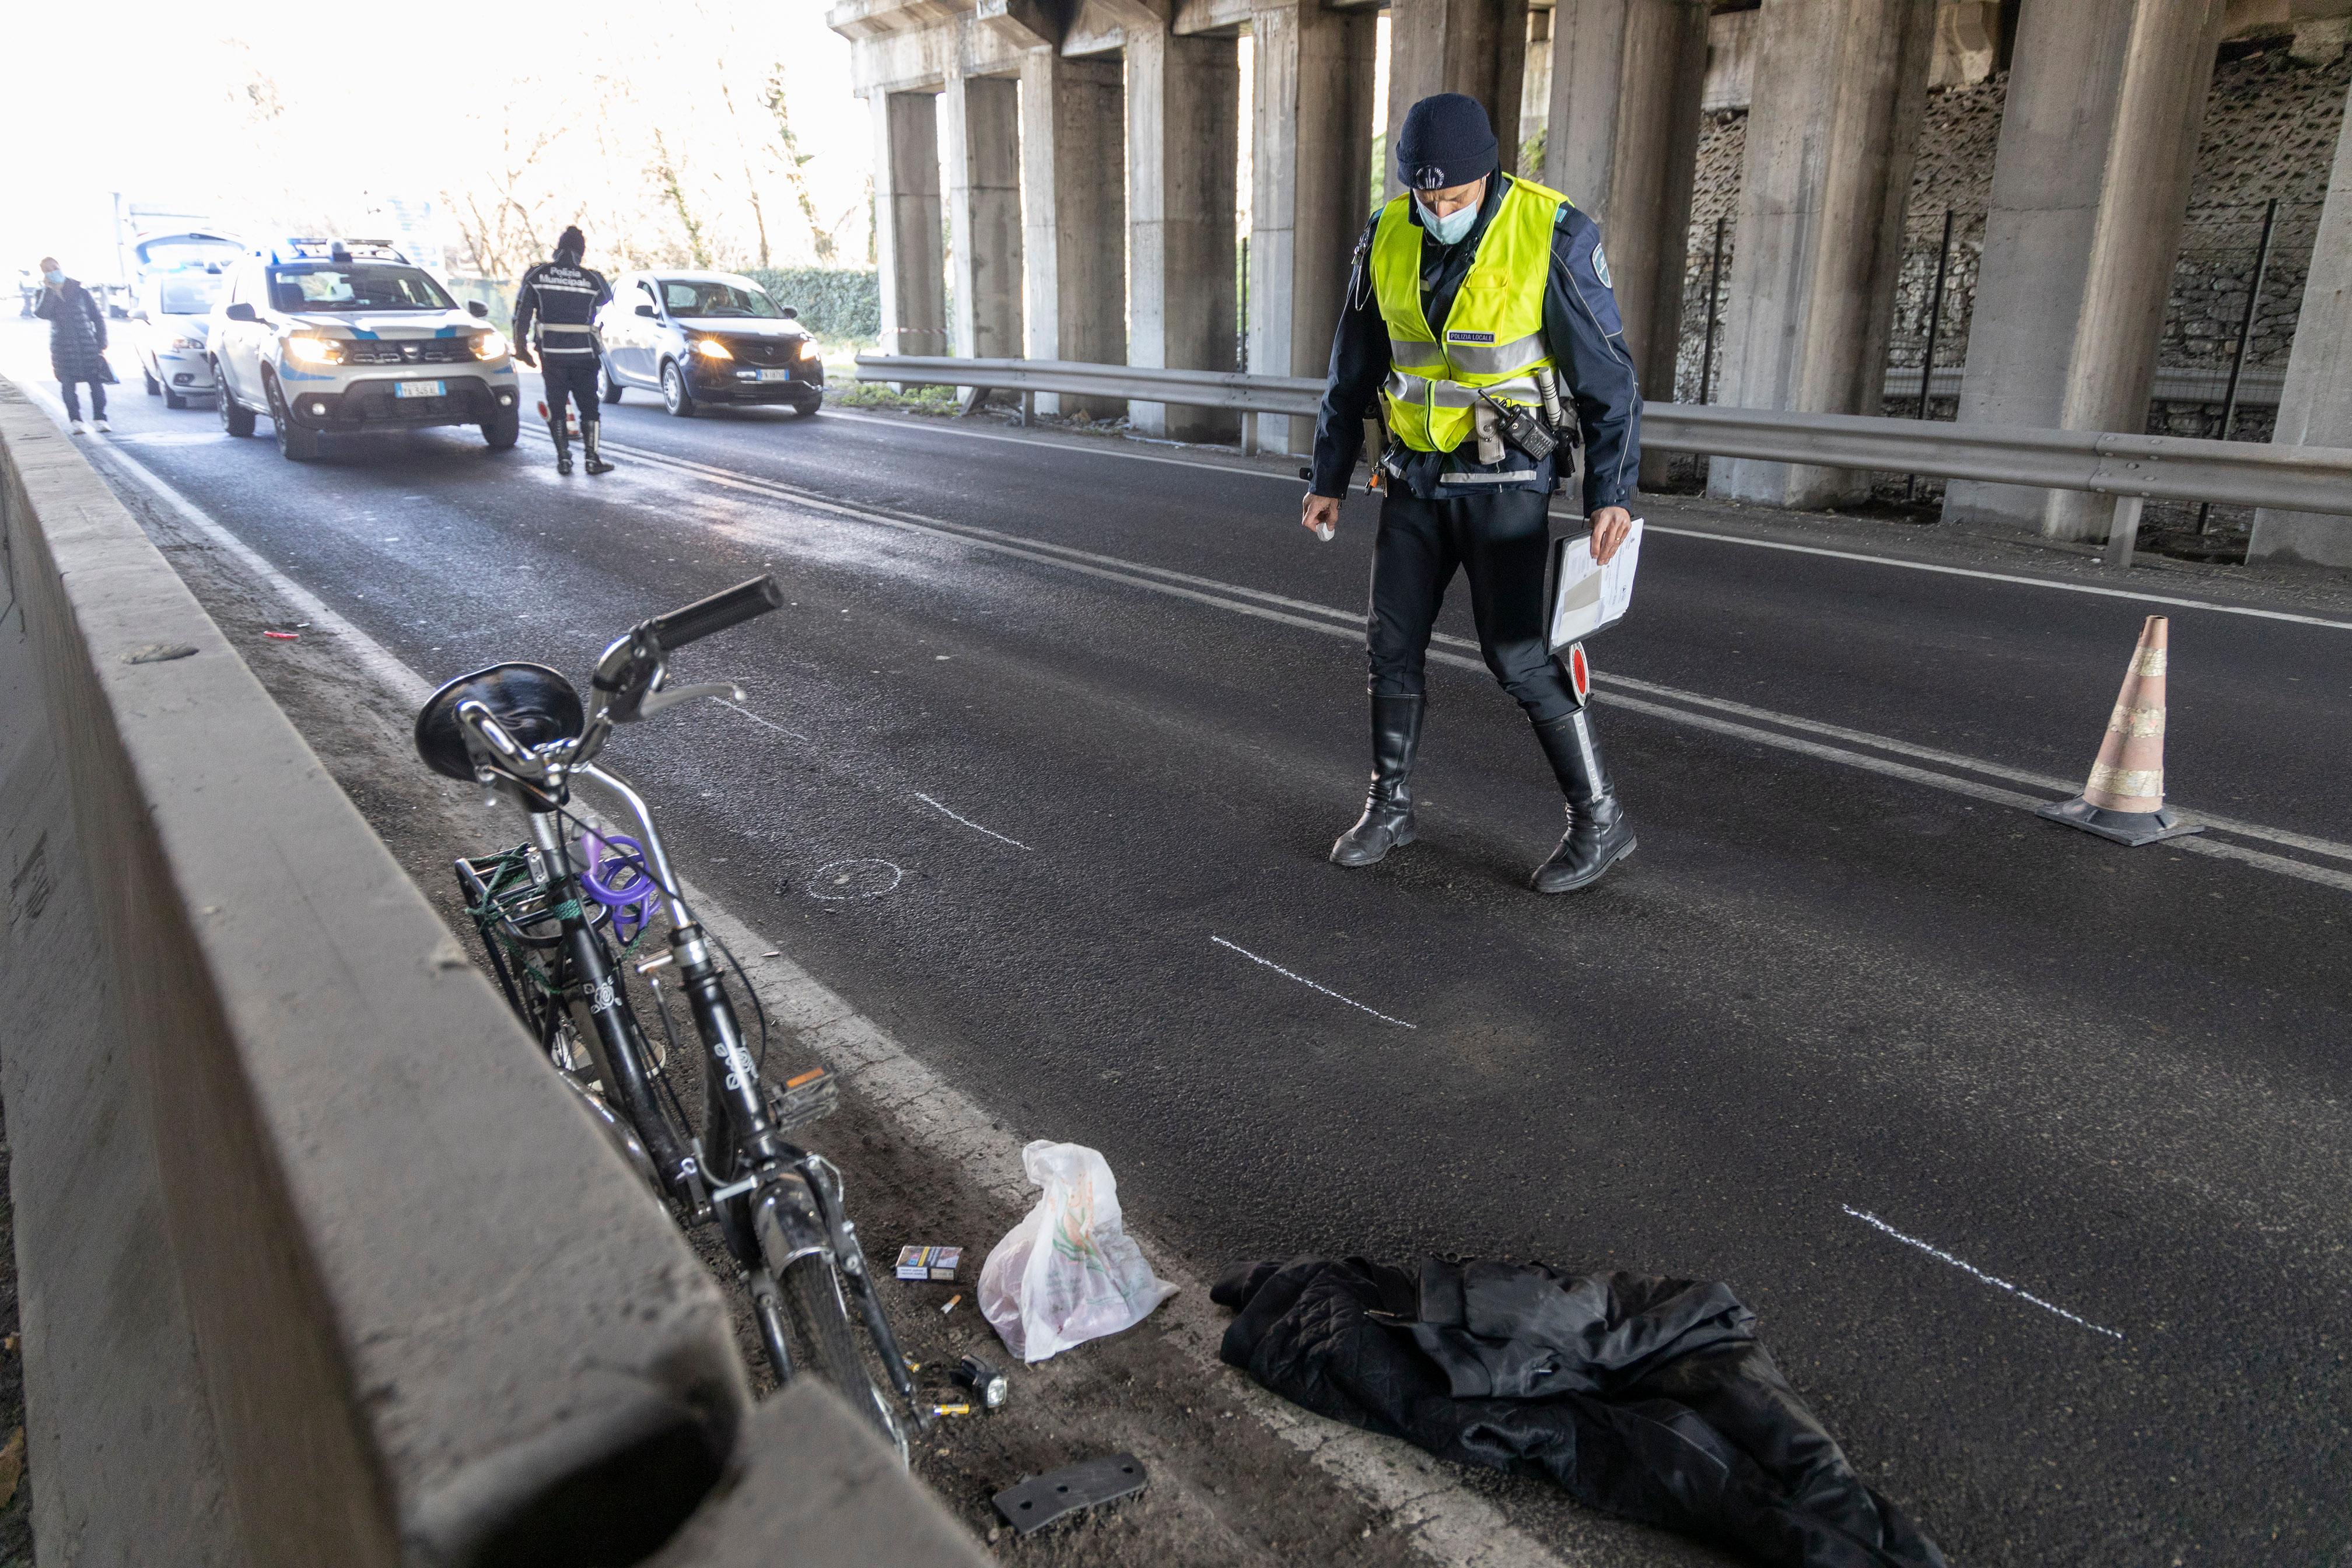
pixel 802 1098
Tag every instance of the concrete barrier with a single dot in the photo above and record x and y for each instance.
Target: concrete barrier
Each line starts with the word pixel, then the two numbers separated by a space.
pixel 317 1263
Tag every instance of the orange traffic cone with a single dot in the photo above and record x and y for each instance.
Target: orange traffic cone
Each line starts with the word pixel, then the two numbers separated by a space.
pixel 2125 797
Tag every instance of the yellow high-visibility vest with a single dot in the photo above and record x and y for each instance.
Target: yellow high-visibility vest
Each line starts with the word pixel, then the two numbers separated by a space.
pixel 1493 338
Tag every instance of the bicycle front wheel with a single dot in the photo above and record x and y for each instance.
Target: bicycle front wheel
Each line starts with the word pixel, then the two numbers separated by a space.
pixel 821 1322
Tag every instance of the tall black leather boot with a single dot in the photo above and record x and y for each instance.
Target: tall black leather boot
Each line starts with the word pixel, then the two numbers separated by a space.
pixel 1597 835
pixel 596 463
pixel 1387 822
pixel 555 427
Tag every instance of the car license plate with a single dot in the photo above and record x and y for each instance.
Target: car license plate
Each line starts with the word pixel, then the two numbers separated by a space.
pixel 775 375
pixel 420 389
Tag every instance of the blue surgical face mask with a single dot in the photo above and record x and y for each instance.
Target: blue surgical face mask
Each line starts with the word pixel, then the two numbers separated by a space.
pixel 1450 228
pixel 54 276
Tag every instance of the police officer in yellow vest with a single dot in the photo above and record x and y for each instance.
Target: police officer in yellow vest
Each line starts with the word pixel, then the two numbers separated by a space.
pixel 1468 295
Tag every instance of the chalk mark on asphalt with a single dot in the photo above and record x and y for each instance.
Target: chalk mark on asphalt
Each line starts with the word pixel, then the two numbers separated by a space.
pixel 1327 991
pixel 763 723
pixel 968 822
pixel 1877 1223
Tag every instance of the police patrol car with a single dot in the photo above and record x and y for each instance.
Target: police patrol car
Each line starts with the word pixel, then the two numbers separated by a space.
pixel 331 336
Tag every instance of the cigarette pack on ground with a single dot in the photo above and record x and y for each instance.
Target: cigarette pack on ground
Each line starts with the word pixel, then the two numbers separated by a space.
pixel 929 1262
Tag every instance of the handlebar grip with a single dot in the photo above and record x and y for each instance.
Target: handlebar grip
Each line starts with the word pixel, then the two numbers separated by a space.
pixel 717 613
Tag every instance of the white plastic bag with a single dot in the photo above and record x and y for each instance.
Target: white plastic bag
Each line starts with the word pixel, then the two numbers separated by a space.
pixel 1068 1272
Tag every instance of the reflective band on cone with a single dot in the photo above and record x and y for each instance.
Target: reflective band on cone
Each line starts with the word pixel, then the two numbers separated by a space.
pixel 2123 798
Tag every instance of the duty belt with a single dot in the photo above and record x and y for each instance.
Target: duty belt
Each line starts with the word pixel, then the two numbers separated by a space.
pixel 565 326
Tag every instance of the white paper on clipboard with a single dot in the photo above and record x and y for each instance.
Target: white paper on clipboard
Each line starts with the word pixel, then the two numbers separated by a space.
pixel 1586 597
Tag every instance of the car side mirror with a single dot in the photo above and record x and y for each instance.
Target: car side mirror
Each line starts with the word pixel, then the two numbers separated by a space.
pixel 647 311
pixel 476 309
pixel 240 311
pixel 790 314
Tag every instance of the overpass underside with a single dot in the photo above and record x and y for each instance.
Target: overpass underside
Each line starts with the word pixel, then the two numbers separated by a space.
pixel 1060 179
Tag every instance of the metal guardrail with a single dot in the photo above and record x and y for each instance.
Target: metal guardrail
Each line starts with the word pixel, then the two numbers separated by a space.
pixel 2132 469
pixel 2258 388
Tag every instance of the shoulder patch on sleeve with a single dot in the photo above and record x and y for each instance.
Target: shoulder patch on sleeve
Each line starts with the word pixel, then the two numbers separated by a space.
pixel 1601 266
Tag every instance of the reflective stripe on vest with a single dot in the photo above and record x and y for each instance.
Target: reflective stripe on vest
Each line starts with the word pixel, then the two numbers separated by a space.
pixel 1492 335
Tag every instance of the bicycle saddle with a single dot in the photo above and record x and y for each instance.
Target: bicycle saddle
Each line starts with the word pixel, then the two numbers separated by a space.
pixel 535 704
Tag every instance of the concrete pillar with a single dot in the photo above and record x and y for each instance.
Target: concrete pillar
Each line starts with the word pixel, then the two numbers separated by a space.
pixel 1310 156
pixel 1074 165
pixel 910 266
pixel 2167 71
pixel 982 126
pixel 1843 86
pixel 1474 47
pixel 1622 143
pixel 2060 165
pixel 1183 112
pixel 2313 410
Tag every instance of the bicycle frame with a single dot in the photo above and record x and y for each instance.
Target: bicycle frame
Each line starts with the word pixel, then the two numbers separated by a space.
pixel 791 1201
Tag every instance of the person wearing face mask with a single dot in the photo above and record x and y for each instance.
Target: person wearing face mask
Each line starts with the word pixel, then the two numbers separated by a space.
pixel 555 323
pixel 77 344
pixel 1466 295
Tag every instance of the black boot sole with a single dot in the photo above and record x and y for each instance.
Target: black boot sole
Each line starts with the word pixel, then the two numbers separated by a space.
pixel 1589 877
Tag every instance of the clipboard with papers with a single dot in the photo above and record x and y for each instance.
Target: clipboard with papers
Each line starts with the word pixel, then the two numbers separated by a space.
pixel 1585 597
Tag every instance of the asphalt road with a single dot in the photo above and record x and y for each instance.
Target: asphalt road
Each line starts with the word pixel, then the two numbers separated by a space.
pixel 1058 821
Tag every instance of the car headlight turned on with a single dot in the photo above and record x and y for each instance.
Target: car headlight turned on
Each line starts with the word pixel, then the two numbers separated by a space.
pixel 489 345
pixel 313 350
pixel 186 345
pixel 808 348
pixel 711 348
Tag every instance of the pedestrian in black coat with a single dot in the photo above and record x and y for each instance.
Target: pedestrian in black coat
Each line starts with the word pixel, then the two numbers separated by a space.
pixel 77 343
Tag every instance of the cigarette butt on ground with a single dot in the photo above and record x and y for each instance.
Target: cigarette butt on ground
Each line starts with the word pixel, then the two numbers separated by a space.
pixel 951 1304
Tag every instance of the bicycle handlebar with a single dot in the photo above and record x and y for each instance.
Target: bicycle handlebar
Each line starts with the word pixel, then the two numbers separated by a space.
pixel 717 613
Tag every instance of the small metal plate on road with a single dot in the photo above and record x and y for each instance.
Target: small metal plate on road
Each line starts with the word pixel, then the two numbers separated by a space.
pixel 1040 1500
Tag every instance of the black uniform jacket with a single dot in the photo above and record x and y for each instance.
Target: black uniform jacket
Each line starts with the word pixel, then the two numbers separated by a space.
pixel 1581 328
pixel 554 294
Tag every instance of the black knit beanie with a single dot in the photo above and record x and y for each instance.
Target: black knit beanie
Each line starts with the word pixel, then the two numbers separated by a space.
pixel 1446 141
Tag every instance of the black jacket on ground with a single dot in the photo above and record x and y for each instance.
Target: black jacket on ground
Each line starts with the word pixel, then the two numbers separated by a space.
pixel 1581 328
pixel 77 332
pixel 1645 1397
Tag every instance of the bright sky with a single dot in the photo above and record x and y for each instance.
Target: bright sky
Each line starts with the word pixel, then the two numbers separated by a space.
pixel 155 101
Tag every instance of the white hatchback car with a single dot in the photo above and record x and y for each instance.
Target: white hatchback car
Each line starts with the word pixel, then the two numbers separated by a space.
pixel 170 318
pixel 333 336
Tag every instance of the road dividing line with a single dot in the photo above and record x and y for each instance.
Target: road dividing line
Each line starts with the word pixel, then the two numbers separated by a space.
pixel 968 822
pixel 1666 702
pixel 1448 1523
pixel 1290 477
pixel 1875 1223
pixel 1327 991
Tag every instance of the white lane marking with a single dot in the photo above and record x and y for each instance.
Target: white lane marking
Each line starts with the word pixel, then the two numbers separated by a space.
pixel 1342 622
pixel 2017 578
pixel 1451 1525
pixel 968 822
pixel 2023 1295
pixel 1327 991
pixel 763 723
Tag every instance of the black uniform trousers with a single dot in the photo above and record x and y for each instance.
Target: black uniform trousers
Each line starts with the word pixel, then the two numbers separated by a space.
pixel 1500 541
pixel 570 373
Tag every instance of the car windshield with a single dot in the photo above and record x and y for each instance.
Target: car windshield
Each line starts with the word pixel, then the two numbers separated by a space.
pixel 702 297
pixel 354 286
pixel 190 296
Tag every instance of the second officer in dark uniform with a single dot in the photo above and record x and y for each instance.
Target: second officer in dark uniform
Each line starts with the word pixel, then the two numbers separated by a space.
pixel 555 319
pixel 1472 297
